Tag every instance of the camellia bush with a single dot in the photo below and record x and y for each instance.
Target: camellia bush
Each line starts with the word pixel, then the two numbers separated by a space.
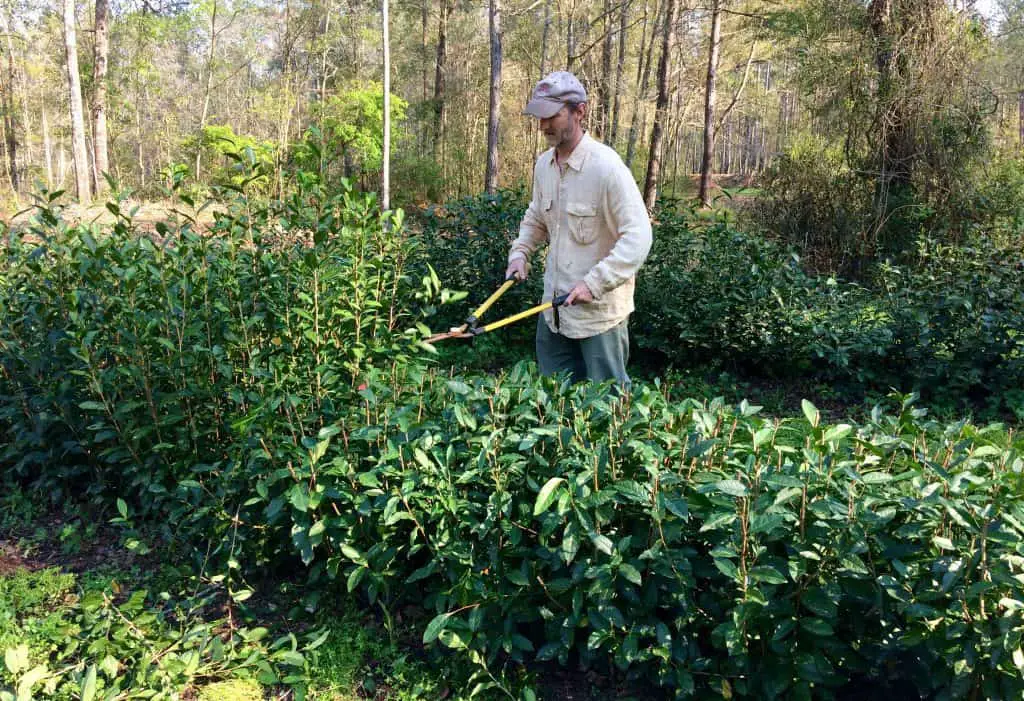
pixel 261 393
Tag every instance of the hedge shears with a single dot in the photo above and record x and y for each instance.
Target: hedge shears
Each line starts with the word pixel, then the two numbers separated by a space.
pixel 472 327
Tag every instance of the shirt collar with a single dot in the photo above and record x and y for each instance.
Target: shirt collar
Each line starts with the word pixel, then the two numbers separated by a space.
pixel 579 154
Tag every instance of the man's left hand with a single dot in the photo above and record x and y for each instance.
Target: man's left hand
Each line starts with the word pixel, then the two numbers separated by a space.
pixel 579 293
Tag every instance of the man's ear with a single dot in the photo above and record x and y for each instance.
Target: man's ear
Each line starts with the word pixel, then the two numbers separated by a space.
pixel 583 109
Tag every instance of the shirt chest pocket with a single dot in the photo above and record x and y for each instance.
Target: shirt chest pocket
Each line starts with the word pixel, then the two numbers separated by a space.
pixel 582 221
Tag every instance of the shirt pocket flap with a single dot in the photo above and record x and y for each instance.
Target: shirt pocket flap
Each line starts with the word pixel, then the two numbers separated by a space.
pixel 581 209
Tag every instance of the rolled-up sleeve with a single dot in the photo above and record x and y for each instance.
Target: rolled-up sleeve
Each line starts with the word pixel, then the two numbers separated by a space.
pixel 533 232
pixel 633 229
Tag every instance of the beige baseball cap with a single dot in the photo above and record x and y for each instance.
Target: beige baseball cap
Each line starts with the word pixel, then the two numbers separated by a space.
pixel 552 92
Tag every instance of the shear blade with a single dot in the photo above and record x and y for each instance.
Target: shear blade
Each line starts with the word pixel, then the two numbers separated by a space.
pixel 456 332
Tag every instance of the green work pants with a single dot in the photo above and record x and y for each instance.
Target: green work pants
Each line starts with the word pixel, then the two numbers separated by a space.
pixel 598 358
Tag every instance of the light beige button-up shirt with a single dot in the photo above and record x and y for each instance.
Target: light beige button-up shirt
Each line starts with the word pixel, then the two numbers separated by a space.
pixel 591 215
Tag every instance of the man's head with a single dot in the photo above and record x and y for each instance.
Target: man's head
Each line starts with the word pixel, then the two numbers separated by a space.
pixel 559 101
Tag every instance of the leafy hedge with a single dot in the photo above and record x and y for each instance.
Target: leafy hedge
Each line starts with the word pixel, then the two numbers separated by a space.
pixel 128 360
pixel 947 324
pixel 261 402
pixel 467 241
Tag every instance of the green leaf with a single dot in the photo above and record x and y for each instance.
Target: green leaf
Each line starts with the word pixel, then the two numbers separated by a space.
pixel 435 627
pixel 89 684
pixel 816 626
pixel 837 433
pixel 298 496
pixel 31 678
pixel 423 459
pixel 811 412
pixel 352 554
pixel 732 487
pixel 726 567
pixel 602 543
pixel 354 577
pixel 546 495
pixel 631 573
pixel 110 666
pixel 768 575
pixel 944 543
pixel 16 658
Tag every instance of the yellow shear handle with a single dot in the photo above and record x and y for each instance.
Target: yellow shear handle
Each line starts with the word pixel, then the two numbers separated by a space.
pixel 491 300
pixel 558 301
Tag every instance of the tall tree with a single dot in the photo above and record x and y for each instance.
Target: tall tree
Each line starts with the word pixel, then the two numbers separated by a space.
pixel 47 150
pixel 643 71
pixel 7 88
pixel 494 113
pixel 440 67
pixel 710 97
pixel 79 153
pixel 385 176
pixel 211 58
pixel 99 97
pixel 661 112
pixel 605 83
pixel 623 14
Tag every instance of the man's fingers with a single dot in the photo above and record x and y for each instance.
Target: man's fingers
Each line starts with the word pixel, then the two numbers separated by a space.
pixel 517 270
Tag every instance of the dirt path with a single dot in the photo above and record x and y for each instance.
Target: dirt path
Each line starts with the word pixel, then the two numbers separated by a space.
pixel 145 215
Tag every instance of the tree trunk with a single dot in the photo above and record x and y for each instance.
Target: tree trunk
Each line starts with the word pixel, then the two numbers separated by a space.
pixel 7 170
pixel 425 49
pixel 62 164
pixel 327 51
pixel 604 120
pixel 208 87
pixel 616 100
pixel 99 98
pixel 710 96
pixel 47 149
pixel 1020 117
pixel 7 104
pixel 139 154
pixel 661 111
pixel 643 71
pixel 544 40
pixel 494 113
pixel 439 74
pixel 10 136
pixel 534 132
pixel 570 37
pixel 79 153
pixel 385 175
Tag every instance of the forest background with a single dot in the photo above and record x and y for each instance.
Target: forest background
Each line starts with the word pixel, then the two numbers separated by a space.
pixel 919 92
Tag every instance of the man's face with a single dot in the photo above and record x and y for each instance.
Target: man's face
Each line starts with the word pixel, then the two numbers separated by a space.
pixel 564 128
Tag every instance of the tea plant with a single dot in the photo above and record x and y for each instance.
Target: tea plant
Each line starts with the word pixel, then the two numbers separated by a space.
pixel 261 394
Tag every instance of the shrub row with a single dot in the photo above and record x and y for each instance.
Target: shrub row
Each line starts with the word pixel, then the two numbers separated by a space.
pixel 945 323
pixel 128 358
pixel 264 406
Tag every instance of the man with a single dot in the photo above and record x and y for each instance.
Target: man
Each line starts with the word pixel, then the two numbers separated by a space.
pixel 587 208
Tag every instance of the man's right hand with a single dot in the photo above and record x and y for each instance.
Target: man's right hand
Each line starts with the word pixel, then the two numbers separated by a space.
pixel 517 269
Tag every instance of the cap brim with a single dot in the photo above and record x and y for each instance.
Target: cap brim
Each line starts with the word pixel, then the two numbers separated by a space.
pixel 543 107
